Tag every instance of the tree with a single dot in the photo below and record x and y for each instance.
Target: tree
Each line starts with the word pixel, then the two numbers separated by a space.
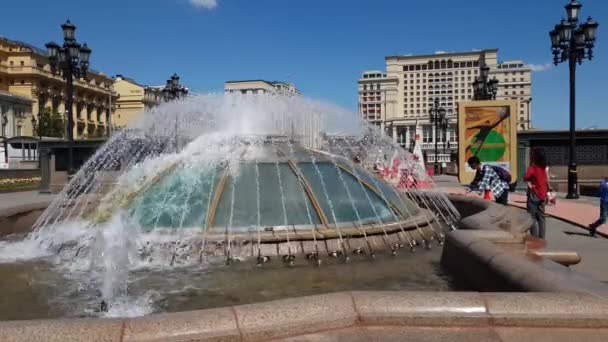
pixel 50 124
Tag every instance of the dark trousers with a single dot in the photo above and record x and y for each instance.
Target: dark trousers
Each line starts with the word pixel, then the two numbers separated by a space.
pixel 601 220
pixel 503 198
pixel 536 208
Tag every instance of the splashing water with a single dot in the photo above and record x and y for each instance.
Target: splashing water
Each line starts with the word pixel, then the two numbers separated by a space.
pixel 216 176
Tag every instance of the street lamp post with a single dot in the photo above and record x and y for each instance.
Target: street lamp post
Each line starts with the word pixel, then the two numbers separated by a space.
pixel 573 42
pixel 174 91
pixel 485 88
pixel 437 117
pixel 72 61
pixel 4 124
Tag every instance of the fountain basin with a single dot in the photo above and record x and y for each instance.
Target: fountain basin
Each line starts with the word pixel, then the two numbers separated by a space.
pixel 360 315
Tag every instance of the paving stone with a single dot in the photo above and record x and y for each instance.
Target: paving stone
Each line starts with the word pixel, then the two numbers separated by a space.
pixel 62 330
pixel 420 308
pixel 295 316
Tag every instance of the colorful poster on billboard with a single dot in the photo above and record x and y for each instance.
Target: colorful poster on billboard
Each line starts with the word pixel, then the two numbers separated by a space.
pixel 487 130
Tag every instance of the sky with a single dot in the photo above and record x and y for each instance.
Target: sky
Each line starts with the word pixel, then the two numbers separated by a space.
pixel 322 46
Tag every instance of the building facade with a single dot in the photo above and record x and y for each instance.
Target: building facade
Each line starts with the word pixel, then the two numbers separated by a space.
pixel 261 87
pixel 399 99
pixel 134 99
pixel 25 72
pixel 14 111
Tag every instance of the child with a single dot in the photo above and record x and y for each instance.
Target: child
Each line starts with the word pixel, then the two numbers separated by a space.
pixel 603 207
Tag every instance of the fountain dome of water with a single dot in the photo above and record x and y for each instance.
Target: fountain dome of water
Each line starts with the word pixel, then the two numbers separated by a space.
pixel 225 177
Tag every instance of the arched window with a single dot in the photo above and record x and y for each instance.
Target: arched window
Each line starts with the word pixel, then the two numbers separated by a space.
pixel 449 64
pixel 437 65
pixel 443 64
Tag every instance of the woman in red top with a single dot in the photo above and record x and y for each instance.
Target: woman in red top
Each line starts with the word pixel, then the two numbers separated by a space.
pixel 536 177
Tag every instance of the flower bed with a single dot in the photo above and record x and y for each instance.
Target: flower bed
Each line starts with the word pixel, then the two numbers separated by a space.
pixel 17 183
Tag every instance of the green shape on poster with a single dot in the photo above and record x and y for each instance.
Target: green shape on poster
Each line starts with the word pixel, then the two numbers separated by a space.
pixel 492 148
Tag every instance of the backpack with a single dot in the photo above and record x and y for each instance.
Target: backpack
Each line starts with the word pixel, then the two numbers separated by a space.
pixel 503 174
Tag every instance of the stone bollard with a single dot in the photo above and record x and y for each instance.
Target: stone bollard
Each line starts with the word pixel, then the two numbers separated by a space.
pixel 45 171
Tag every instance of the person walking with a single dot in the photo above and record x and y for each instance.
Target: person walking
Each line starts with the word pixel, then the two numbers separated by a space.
pixel 487 179
pixel 603 207
pixel 538 186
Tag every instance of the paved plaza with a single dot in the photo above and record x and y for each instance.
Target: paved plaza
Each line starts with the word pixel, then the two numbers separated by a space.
pixel 16 199
pixel 566 227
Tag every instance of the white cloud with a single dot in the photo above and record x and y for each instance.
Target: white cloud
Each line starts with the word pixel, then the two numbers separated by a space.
pixel 540 67
pixel 206 4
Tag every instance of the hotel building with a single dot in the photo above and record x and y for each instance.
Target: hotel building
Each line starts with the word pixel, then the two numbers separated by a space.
pixel 399 99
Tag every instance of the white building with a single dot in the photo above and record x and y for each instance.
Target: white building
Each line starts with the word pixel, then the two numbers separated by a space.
pixel 260 87
pixel 399 99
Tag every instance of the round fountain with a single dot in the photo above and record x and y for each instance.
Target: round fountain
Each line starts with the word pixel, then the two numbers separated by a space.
pixel 221 188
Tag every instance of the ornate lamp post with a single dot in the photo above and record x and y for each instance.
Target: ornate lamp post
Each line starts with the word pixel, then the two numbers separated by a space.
pixel 173 90
pixel 35 126
pixel 4 123
pixel 573 42
pixel 437 117
pixel 72 61
pixel 485 88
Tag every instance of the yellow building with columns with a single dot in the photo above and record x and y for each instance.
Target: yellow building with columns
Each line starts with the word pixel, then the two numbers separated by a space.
pixel 25 71
pixel 134 99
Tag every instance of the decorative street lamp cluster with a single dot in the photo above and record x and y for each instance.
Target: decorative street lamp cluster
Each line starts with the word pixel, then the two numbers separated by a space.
pixel 437 117
pixel 72 61
pixel 173 90
pixel 573 42
pixel 484 87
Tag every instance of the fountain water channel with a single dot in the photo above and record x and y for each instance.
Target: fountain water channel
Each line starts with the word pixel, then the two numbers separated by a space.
pixel 232 191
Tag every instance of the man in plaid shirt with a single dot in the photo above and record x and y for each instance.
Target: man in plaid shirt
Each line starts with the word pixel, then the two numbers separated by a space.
pixel 487 179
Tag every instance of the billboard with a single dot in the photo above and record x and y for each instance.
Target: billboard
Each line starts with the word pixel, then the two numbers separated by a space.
pixel 487 129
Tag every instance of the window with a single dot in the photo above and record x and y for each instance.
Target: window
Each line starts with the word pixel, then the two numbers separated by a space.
pixel 427 134
pixel 469 64
pixel 453 134
pixel 521 79
pixel 365 87
pixel 521 112
pixel 22 63
pixel 468 72
pixel 11 63
pixel 19 129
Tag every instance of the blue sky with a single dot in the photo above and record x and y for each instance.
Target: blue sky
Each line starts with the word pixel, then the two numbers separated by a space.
pixel 320 45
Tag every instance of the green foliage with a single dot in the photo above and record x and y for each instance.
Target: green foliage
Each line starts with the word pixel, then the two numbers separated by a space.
pixel 50 124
